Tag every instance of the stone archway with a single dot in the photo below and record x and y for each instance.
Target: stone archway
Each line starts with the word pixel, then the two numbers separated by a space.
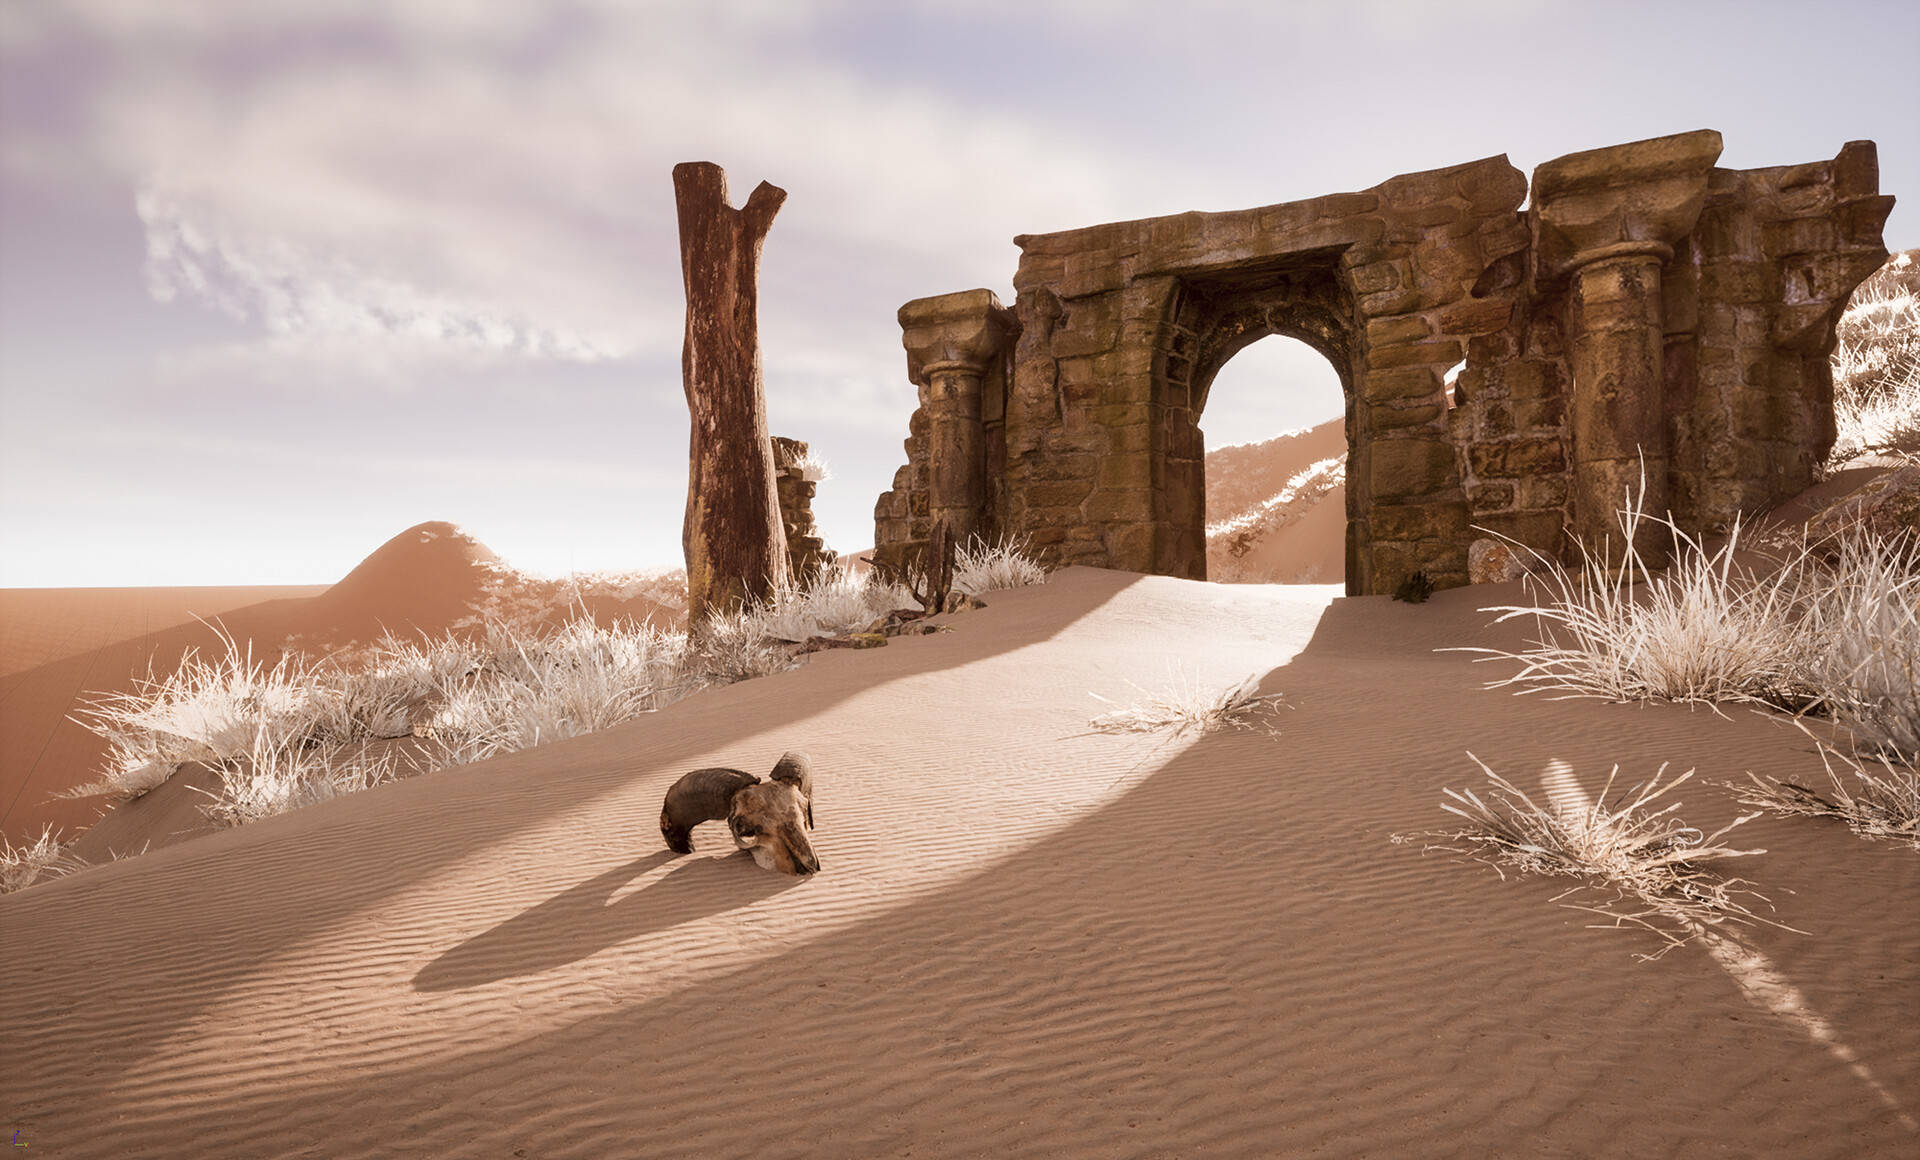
pixel 1216 317
pixel 1646 308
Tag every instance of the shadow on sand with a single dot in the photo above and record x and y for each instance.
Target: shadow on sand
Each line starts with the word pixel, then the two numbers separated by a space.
pixel 583 920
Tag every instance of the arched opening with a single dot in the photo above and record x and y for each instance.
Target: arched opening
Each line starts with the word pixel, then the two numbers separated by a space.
pixel 1274 432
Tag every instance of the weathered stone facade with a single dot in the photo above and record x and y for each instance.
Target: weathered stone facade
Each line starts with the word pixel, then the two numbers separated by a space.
pixel 1645 308
pixel 807 553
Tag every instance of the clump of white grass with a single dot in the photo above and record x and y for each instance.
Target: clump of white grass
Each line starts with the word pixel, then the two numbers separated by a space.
pixel 44 857
pixel 1188 707
pixel 1703 630
pixel 1876 366
pixel 1656 867
pixel 835 602
pixel 980 567
pixel 1831 628
pixel 526 688
pixel 276 780
pixel 1862 619
pixel 209 711
pixel 811 468
pixel 1878 798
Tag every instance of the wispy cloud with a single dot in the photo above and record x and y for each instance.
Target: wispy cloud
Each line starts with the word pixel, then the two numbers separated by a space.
pixel 494 177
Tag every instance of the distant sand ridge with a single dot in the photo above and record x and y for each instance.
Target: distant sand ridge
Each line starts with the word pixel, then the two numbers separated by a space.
pixel 61 647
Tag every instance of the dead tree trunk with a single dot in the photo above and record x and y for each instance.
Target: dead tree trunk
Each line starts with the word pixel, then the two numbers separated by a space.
pixel 735 545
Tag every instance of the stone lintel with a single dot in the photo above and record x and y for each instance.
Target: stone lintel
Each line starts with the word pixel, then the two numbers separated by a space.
pixel 1596 203
pixel 963 330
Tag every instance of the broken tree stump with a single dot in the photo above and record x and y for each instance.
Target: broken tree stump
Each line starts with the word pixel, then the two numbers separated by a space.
pixel 733 539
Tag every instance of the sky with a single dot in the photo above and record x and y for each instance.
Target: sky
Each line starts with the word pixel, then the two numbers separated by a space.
pixel 282 278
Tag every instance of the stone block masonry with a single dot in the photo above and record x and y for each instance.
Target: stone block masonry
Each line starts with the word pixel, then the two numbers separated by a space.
pixel 1649 316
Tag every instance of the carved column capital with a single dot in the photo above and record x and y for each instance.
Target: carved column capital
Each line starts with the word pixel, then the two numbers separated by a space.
pixel 960 331
pixel 1633 200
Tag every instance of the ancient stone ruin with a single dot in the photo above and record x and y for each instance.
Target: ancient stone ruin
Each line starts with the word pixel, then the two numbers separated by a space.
pixel 1646 312
pixel 807 553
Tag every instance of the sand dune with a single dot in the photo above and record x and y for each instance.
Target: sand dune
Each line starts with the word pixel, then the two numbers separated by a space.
pixel 1027 938
pixel 1305 542
pixel 63 647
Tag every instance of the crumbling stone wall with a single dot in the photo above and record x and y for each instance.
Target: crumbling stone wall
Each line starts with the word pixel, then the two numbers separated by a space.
pixel 1647 312
pixel 807 553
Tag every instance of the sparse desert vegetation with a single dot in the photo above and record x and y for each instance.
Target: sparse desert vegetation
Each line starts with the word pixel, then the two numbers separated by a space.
pixel 1184 706
pixel 1827 628
pixel 1876 366
pixel 45 856
pixel 1639 864
pixel 303 730
pixel 1876 795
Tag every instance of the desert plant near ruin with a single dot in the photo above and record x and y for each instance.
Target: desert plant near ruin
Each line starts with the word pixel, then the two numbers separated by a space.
pixel 980 567
pixel 1861 620
pixel 1830 628
pixel 1876 366
pixel 1186 706
pixel 1639 865
pixel 1704 629
pixel 833 603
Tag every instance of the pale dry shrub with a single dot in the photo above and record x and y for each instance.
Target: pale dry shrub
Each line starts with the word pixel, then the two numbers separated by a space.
pixel 525 688
pixel 734 646
pixel 300 732
pixel 1639 865
pixel 1876 366
pixel 1878 798
pixel 209 711
pixel 1862 615
pixel 834 602
pixel 811 468
pixel 1704 629
pixel 44 857
pixel 1185 706
pixel 980 567
pixel 276 779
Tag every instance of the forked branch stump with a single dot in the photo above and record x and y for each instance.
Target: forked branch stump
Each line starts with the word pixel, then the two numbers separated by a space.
pixel 735 545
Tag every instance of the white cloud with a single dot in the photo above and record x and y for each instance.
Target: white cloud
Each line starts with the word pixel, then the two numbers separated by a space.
pixel 494 177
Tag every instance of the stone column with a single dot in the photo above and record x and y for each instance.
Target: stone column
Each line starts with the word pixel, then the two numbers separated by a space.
pixel 1615 342
pixel 951 340
pixel 1608 220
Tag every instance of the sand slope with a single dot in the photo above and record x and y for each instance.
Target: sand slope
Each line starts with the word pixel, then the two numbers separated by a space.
pixel 1308 546
pixel 61 648
pixel 1028 939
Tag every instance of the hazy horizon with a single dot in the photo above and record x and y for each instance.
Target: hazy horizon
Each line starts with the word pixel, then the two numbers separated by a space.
pixel 279 280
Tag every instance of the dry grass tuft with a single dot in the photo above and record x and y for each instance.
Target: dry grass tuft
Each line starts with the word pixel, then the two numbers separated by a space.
pixel 44 857
pixel 1655 867
pixel 1880 797
pixel 1876 366
pixel 1861 626
pixel 1186 707
pixel 1703 630
pixel 979 567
